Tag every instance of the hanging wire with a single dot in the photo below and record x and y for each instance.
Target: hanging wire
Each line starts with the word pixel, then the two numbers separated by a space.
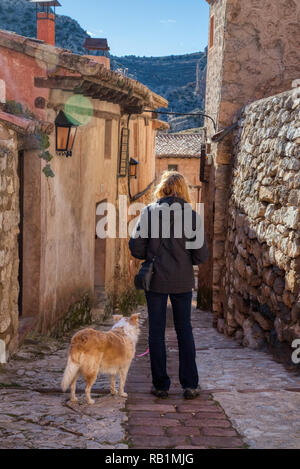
pixel 195 114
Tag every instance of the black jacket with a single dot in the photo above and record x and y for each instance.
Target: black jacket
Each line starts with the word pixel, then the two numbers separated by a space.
pixel 173 265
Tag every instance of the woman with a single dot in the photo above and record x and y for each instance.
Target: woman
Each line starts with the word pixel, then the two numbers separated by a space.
pixel 174 253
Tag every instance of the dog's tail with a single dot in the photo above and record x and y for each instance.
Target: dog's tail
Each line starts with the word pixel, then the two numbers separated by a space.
pixel 69 374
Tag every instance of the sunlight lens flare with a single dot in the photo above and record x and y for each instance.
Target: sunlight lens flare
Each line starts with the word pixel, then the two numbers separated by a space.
pixel 79 109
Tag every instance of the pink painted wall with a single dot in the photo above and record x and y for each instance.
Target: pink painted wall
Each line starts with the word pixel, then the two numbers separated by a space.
pixel 18 71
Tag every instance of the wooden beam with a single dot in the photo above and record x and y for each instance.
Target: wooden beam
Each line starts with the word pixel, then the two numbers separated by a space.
pixel 137 109
pixel 58 83
pixel 96 89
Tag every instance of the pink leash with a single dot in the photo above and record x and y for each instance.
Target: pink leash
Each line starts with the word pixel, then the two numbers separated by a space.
pixel 143 354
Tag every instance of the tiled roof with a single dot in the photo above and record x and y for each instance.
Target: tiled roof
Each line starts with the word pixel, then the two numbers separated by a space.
pixel 179 145
pixel 92 43
pixel 87 71
pixel 23 125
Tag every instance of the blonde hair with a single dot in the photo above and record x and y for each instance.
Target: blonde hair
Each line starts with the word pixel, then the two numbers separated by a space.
pixel 173 184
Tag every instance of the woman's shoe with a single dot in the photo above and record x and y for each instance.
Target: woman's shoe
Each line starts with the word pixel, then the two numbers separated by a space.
pixel 191 393
pixel 159 393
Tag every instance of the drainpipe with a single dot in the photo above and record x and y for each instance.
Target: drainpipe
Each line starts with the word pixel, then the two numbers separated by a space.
pixel 128 172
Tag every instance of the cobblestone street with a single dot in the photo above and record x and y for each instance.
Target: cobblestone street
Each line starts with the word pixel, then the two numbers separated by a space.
pixel 35 414
pixel 141 154
pixel 247 400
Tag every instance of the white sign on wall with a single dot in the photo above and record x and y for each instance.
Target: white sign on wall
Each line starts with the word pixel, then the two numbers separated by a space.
pixel 2 352
pixel 2 91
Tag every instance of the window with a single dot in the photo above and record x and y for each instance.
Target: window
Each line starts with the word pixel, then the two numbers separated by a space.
pixel 108 136
pixel 173 167
pixel 211 31
pixel 136 139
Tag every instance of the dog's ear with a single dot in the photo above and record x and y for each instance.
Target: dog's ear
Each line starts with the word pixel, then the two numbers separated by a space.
pixel 117 317
pixel 134 319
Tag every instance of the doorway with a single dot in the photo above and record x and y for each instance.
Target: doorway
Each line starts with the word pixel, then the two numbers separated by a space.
pixel 100 263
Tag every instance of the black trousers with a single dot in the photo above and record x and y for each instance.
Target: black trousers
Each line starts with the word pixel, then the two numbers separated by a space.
pixel 157 308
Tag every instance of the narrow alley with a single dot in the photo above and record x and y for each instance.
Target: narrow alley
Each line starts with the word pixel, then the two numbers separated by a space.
pixel 106 146
pixel 247 400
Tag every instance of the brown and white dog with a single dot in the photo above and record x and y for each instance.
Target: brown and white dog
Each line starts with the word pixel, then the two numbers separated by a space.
pixel 94 351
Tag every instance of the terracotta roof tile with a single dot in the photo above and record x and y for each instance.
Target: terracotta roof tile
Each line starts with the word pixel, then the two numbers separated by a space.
pixel 92 43
pixel 23 125
pixel 87 68
pixel 179 145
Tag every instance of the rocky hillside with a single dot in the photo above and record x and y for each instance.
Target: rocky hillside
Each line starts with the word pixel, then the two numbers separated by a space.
pixel 174 77
pixel 180 79
pixel 19 16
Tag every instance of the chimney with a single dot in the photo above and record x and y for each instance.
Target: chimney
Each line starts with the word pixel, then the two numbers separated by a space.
pixel 45 18
pixel 100 46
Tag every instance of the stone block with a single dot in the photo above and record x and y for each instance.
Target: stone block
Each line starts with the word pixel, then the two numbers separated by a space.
pixel 292 164
pixel 291 217
pixel 279 328
pixel 284 312
pixel 264 323
pixel 267 195
pixel 240 220
pixel 254 337
pixel 279 285
pixel 2 258
pixel 5 321
pixel 269 277
pixel 281 260
pixel 256 210
pixel 3 159
pixel 2 352
pixel 230 319
pixel 293 248
pixel 294 198
pixel 291 278
pixel 295 313
pixel 288 298
pixel 240 266
pixel 239 318
pixel 4 134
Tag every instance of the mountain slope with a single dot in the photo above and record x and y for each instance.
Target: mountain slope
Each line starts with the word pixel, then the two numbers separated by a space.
pixel 180 79
pixel 19 16
pixel 174 77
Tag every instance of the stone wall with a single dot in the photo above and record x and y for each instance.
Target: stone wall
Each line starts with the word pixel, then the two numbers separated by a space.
pixel 260 282
pixel 252 57
pixel 9 229
pixel 212 103
pixel 253 53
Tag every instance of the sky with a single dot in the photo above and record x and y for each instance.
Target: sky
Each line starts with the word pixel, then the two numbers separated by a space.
pixel 143 27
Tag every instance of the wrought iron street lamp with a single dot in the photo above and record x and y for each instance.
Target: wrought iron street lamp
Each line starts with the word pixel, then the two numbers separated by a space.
pixel 133 164
pixel 65 134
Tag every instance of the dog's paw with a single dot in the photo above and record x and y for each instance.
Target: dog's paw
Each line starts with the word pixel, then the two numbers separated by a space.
pixel 123 394
pixel 113 393
pixel 91 402
pixel 74 400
